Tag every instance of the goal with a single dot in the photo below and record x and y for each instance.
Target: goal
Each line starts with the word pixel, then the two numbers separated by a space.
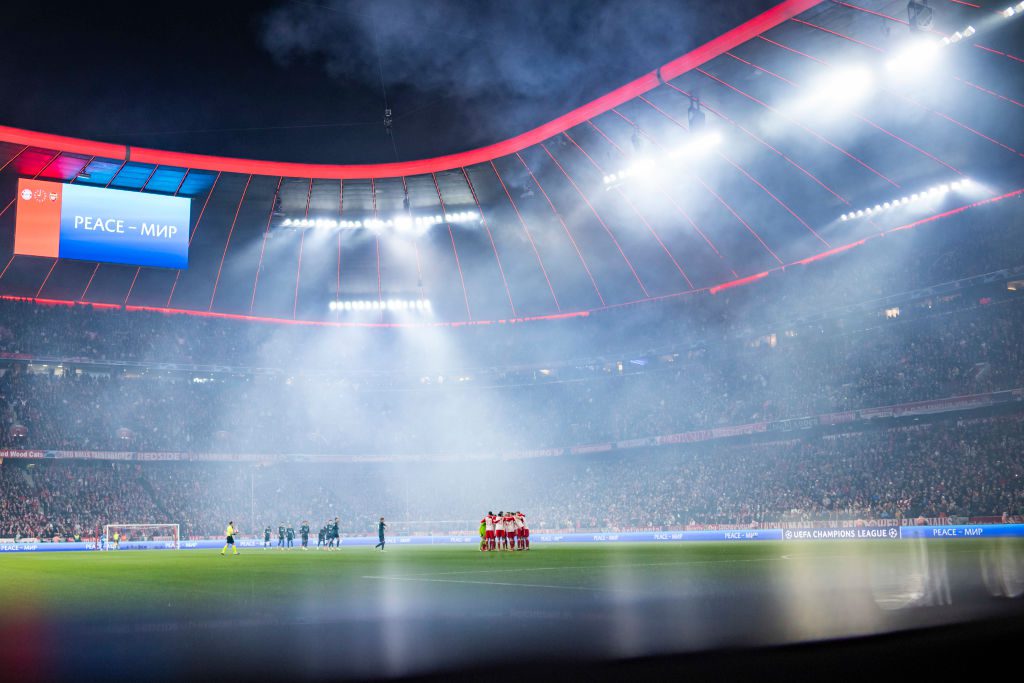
pixel 141 536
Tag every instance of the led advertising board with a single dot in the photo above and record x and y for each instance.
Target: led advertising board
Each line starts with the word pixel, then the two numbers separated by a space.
pixel 97 224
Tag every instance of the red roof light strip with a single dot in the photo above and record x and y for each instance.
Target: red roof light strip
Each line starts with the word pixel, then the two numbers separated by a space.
pixel 701 55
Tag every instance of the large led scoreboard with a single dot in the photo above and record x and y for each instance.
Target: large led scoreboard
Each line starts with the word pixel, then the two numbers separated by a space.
pixel 98 224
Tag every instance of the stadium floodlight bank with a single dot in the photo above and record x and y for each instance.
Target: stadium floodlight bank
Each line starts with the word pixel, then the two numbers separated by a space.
pixel 137 536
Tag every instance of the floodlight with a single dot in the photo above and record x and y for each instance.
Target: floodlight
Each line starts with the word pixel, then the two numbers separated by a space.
pixel 915 58
pixel 705 142
pixel 642 167
pixel 852 83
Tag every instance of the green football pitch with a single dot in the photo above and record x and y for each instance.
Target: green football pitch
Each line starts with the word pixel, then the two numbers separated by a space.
pixel 615 600
pixel 191 580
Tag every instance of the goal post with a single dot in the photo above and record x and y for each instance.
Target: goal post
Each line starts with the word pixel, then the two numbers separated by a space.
pixel 146 535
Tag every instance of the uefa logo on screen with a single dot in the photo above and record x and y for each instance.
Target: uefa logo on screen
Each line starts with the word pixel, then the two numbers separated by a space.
pixel 26 194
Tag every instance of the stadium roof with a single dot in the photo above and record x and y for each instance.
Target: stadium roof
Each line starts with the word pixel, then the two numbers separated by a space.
pixel 815 111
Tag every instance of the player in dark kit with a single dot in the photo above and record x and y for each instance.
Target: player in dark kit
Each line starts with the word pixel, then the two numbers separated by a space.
pixel 266 537
pixel 381 526
pixel 328 535
pixel 335 534
pixel 304 533
pixel 290 534
pixel 321 537
pixel 280 536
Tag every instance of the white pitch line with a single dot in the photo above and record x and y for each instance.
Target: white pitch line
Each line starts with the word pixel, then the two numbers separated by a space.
pixel 492 583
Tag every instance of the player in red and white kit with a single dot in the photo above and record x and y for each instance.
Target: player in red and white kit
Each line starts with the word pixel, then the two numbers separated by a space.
pixel 514 539
pixel 499 530
pixel 522 533
pixel 509 522
pixel 488 522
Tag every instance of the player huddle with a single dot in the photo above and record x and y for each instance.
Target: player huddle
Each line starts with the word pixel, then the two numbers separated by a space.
pixel 504 531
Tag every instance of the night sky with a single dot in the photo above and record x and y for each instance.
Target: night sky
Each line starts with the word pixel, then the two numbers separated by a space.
pixel 301 81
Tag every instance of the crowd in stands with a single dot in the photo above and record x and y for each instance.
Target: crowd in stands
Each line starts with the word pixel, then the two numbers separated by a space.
pixel 953 467
pixel 963 351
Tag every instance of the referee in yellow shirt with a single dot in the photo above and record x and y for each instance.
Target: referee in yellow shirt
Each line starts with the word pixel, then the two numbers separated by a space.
pixel 230 533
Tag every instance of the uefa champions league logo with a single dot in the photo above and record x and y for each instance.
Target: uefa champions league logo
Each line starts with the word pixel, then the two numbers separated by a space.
pixel 26 194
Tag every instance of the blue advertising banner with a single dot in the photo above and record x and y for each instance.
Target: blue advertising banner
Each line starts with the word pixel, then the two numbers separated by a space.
pixel 965 531
pixel 855 533
pixel 115 226
pixel 661 536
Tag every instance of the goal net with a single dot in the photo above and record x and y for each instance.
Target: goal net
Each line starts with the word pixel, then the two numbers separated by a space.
pixel 137 536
